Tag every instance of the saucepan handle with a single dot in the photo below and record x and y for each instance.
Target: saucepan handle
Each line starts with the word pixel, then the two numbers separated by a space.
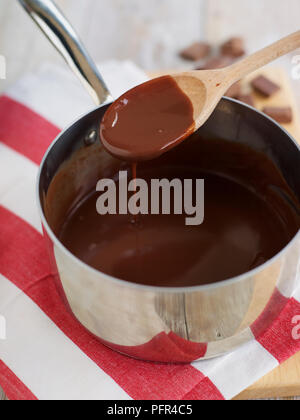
pixel 62 35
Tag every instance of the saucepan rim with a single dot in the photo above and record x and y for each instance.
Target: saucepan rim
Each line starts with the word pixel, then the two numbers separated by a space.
pixel 142 287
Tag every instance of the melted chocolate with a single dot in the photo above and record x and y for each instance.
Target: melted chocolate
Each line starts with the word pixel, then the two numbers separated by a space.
pixel 147 121
pixel 250 212
pixel 249 217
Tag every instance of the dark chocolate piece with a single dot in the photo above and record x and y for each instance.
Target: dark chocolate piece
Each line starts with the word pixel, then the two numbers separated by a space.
pixel 265 86
pixel 216 63
pixel 280 114
pixel 234 91
pixel 234 47
pixel 247 99
pixel 196 51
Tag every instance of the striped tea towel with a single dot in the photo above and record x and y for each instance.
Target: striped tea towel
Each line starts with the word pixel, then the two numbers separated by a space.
pixel 44 353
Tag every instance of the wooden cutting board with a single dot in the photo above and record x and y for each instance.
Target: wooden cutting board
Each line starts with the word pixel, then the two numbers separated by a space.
pixel 285 380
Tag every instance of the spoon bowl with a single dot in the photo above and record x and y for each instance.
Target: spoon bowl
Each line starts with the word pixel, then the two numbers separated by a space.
pixel 158 115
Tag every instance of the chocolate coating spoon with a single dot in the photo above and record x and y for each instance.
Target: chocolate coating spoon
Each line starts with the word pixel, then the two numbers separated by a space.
pixel 157 115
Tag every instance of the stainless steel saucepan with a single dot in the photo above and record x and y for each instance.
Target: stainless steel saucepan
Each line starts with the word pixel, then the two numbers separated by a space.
pixel 153 323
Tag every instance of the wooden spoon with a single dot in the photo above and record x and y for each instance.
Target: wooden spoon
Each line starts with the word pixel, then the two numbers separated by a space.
pixel 156 116
pixel 205 88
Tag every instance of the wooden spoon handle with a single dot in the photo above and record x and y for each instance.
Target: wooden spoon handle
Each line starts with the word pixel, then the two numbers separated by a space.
pixel 264 56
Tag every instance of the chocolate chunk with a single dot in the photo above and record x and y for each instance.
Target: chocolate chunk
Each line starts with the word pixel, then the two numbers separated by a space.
pixel 216 63
pixel 196 51
pixel 264 86
pixel 234 91
pixel 234 47
pixel 247 99
pixel 280 114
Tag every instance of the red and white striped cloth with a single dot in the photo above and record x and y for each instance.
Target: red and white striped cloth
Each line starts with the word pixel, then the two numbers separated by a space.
pixel 47 354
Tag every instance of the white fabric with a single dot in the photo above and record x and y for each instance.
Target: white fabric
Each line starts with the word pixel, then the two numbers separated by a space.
pixel 34 355
pixel 20 197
